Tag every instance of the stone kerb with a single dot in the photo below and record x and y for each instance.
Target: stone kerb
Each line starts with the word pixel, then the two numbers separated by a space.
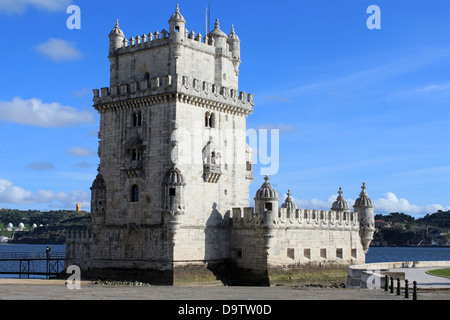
pixel 359 275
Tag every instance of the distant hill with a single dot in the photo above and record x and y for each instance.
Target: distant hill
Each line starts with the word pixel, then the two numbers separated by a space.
pixel 50 225
pixel 401 229
pixel 392 229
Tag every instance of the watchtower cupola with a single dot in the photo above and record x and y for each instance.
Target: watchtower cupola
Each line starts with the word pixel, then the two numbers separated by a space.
pixel 116 37
pixel 266 202
pixel 177 26
pixel 220 37
pixel 340 204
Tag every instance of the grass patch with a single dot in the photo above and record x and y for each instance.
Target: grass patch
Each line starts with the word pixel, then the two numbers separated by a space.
pixel 310 275
pixel 440 272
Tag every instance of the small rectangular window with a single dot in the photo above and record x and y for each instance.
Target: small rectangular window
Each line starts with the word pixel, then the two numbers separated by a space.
pixel 268 206
pixel 177 29
pixel 339 253
pixel 291 253
pixel 172 192
pixel 307 253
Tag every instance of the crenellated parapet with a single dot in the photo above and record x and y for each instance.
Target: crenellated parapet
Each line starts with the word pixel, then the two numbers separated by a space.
pixel 79 236
pixel 299 218
pixel 185 88
pixel 157 39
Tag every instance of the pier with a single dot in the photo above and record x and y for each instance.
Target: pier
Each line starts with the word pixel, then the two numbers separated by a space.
pixel 25 264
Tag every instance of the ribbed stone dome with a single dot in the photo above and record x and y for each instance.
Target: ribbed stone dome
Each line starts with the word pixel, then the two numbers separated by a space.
pixel 233 35
pixel 266 191
pixel 116 32
pixel 288 203
pixel 363 200
pixel 98 183
pixel 174 177
pixel 340 204
pixel 217 32
pixel 177 17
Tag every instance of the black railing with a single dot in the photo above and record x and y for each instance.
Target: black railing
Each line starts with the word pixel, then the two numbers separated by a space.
pixel 32 263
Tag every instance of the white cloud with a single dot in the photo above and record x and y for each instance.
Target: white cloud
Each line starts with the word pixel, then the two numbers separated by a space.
pixel 20 6
pixel 59 50
pixel 11 194
pixel 81 152
pixel 389 202
pixel 36 113
pixel 41 166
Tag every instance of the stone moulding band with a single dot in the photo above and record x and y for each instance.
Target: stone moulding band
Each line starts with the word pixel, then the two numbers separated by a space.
pixel 171 97
pixel 185 88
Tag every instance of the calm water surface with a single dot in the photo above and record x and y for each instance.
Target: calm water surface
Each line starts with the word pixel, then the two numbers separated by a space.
pixel 12 266
pixel 393 254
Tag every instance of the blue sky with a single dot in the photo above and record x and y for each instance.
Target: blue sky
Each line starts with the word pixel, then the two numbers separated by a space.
pixel 351 104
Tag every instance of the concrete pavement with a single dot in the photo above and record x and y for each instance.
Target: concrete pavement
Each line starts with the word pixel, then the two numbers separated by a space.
pixel 425 280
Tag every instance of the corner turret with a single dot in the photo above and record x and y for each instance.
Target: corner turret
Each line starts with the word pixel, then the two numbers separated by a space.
pixel 266 203
pixel 116 37
pixel 365 209
pixel 234 44
pixel 177 26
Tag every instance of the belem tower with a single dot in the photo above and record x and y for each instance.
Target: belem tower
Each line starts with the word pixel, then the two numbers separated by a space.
pixel 172 190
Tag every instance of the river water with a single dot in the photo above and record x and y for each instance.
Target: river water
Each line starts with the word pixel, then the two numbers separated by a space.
pixel 375 254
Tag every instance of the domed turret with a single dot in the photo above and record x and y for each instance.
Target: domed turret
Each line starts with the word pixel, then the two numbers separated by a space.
pixel 266 202
pixel 365 209
pixel 266 192
pixel 340 204
pixel 220 37
pixel 116 37
pixel 98 183
pixel 363 200
pixel 173 192
pixel 288 203
pixel 98 195
pixel 235 48
pixel 177 26
pixel 174 177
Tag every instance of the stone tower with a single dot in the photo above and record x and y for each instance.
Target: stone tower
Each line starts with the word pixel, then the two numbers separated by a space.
pixel 172 190
pixel 174 158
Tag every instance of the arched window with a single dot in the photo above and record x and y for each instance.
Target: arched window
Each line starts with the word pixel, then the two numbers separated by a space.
pixel 134 194
pixel 207 119
pixel 147 76
pixel 212 120
pixel 137 119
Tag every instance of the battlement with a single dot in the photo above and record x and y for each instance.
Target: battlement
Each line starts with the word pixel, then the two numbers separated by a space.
pixel 191 39
pixel 189 90
pixel 300 218
pixel 79 235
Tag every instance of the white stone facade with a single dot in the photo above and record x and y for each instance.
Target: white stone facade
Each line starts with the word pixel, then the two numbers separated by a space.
pixel 175 170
